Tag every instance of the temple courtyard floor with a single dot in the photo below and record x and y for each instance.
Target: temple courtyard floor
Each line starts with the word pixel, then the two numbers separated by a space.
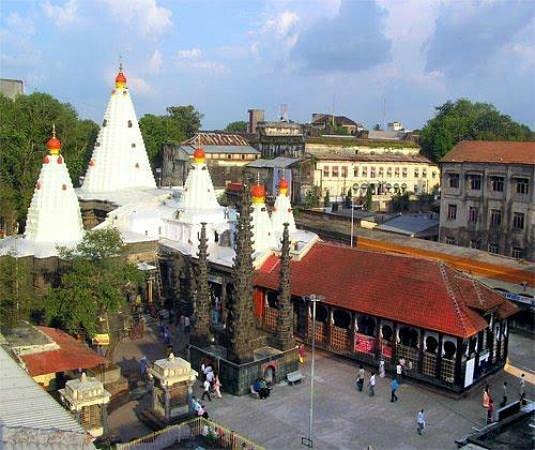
pixel 343 417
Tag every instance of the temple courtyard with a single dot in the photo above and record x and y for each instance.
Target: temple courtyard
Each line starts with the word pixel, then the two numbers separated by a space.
pixel 343 417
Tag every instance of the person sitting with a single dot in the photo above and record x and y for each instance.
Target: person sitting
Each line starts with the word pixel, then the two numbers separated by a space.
pixel 264 390
pixel 257 386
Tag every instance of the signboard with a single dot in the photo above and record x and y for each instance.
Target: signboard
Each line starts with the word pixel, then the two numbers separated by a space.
pixel 469 372
pixel 364 344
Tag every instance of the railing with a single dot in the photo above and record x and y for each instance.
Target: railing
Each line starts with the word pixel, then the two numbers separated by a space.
pixel 215 435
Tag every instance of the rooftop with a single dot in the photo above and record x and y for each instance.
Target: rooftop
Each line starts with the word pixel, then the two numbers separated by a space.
pixel 410 224
pixel 212 138
pixel 415 291
pixel 492 152
pixel 367 157
pixel 278 162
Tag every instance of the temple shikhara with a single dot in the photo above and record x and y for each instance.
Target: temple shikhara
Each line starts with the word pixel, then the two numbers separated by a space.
pixel 247 273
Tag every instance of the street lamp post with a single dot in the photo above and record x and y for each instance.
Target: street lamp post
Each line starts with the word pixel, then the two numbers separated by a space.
pixel 308 441
pixel 352 216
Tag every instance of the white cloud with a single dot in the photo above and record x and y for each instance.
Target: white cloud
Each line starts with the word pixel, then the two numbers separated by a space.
pixel 61 15
pixel 145 15
pixel 193 53
pixel 139 85
pixel 155 62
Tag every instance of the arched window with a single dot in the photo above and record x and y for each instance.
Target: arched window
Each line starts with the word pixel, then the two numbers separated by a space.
pixel 366 325
pixel 408 337
pixel 104 123
pixel 342 319
pixel 431 344
pixel 129 124
pixel 321 313
pixel 449 350
pixel 387 332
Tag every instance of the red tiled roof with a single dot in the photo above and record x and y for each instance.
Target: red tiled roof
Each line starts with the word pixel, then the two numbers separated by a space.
pixel 497 152
pixel 71 355
pixel 414 291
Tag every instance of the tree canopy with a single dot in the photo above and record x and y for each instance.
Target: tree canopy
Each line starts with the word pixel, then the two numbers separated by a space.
pixel 17 299
pixel 25 128
pixel 180 123
pixel 94 283
pixel 239 126
pixel 464 120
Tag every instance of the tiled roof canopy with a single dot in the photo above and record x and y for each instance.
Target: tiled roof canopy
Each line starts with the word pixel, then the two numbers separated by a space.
pixel 207 138
pixel 72 355
pixel 413 291
pixel 495 152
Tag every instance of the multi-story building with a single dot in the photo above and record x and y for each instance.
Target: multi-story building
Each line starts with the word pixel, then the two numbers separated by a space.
pixel 488 197
pixel 384 173
pixel 226 154
pixel 280 138
pixel 330 122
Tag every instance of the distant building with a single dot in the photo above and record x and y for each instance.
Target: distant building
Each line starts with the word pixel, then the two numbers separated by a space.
pixel 11 88
pixel 330 122
pixel 422 226
pixel 255 116
pixel 488 197
pixel 279 138
pixel 226 154
pixel 395 126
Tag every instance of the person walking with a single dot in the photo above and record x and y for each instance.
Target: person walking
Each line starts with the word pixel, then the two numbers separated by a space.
pixel 522 385
pixel 206 391
pixel 394 385
pixel 301 353
pixel 371 385
pixel 187 324
pixel 486 397
pixel 399 371
pixel 382 371
pixel 490 412
pixel 420 422
pixel 217 386
pixel 360 378
pixel 504 388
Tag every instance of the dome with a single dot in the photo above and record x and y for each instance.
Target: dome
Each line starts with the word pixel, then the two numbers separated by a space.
pixel 199 154
pixel 258 191
pixel 53 145
pixel 120 79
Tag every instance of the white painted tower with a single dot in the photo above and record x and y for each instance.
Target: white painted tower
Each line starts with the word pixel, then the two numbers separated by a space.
pixel 54 213
pixel 263 235
pixel 119 161
pixel 282 210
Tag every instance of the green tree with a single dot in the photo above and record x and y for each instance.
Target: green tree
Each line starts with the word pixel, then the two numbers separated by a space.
pixel 180 123
pixel 25 127
pixel 327 199
pixel 17 299
pixel 312 198
pixel 237 127
pixel 464 120
pixel 94 283
pixel 400 202
pixel 339 130
pixel 368 203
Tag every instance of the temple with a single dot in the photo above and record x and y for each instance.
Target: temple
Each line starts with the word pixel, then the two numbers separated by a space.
pixel 119 161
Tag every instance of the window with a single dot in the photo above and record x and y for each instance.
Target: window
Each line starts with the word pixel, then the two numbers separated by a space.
pixel 104 123
pixel 389 172
pixel 372 172
pixel 517 252
pixel 415 189
pixel 433 174
pixel 493 247
pixel 325 171
pixel 355 172
pixel 452 212
pixel 453 180
pixel 495 217
pixel 381 171
pixel 344 172
pixel 129 124
pixel 416 173
pixel 522 186
pixel 335 171
pixel 364 171
pixel 229 156
pixel 396 172
pixel 496 184
pixel 450 240
pixel 133 145
pixel 472 214
pixel 242 156
pixel 404 172
pixel 475 182
pixel 518 221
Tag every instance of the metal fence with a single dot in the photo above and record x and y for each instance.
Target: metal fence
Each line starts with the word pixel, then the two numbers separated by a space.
pixel 212 433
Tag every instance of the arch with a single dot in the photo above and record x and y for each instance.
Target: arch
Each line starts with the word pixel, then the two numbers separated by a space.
pixel 321 313
pixel 366 324
pixel 129 124
pixel 449 350
pixel 270 374
pixel 342 319
pixel 272 299
pixel 387 333
pixel 408 336
pixel 431 344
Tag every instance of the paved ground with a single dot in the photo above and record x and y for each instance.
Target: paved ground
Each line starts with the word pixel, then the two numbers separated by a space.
pixel 344 418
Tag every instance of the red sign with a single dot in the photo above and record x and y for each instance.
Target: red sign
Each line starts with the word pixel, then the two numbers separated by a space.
pixel 364 344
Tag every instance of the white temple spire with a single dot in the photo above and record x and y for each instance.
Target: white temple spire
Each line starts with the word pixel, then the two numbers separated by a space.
pixel 119 160
pixel 282 210
pixel 199 191
pixel 54 213
pixel 263 235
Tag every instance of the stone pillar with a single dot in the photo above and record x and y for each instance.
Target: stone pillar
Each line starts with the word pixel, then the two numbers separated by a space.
pixel 394 344
pixel 203 299
pixel 439 356
pixel 459 379
pixel 378 339
pixel 224 301
pixel 420 363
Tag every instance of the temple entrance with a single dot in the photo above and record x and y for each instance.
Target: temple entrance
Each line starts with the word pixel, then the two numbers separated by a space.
pixel 300 317
pixel 269 375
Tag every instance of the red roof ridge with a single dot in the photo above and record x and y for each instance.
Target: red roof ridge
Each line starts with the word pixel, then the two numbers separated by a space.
pixel 451 295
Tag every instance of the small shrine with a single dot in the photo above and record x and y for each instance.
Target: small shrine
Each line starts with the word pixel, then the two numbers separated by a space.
pixel 173 382
pixel 87 399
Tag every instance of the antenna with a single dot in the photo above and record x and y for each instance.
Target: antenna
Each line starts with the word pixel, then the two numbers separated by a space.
pixel 333 109
pixel 384 113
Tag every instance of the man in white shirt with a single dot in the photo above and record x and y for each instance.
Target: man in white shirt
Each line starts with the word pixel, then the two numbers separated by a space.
pixel 420 422
pixel 371 385
pixel 206 392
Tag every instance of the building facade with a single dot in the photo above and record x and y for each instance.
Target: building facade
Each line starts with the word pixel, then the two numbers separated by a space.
pixel 226 154
pixel 281 138
pixel 488 197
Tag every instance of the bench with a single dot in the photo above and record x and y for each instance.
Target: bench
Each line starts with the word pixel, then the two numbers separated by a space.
pixel 254 393
pixel 294 377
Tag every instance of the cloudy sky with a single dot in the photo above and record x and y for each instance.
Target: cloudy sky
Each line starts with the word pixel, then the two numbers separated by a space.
pixel 362 58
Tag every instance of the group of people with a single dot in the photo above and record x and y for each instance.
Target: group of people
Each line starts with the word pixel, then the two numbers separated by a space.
pixel 210 382
pixel 261 386
pixel 488 402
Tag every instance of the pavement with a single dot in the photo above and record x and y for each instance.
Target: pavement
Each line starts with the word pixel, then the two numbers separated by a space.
pixel 343 417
